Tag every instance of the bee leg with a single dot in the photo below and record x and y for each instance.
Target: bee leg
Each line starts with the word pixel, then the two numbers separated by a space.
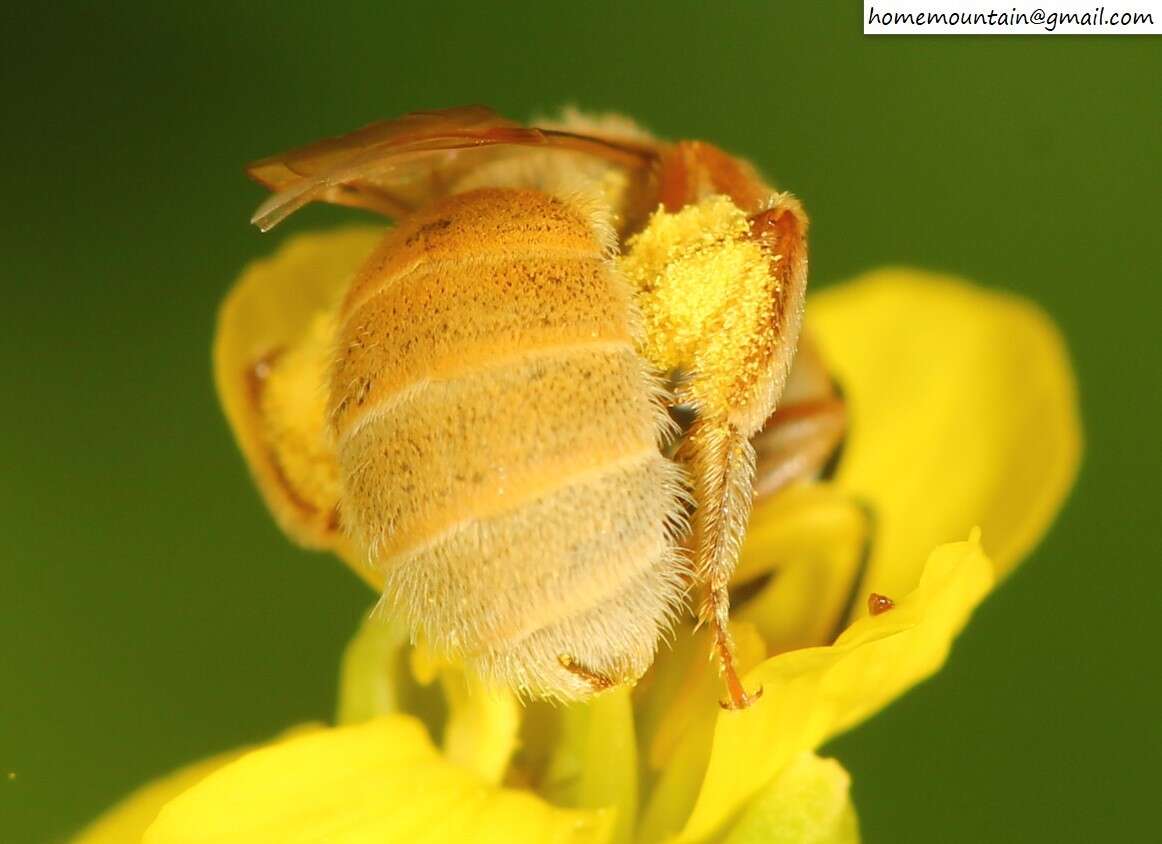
pixel 797 443
pixel 729 472
pixel 597 682
pixel 805 433
pixel 722 464
pixel 693 170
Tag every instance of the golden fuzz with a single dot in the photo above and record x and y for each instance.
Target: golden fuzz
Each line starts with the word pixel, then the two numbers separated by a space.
pixel 498 438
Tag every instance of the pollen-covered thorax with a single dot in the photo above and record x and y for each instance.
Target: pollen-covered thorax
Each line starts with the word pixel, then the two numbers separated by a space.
pixel 706 293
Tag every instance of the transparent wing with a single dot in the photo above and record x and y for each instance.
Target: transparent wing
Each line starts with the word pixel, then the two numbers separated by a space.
pixel 394 166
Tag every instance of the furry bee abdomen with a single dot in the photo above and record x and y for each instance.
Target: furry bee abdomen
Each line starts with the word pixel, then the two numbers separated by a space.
pixel 498 437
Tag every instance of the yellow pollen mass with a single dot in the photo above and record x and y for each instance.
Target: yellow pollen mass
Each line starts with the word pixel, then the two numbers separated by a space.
pixel 707 297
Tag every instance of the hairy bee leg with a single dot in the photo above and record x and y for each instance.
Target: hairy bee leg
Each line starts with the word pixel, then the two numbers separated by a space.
pixel 736 379
pixel 722 464
pixel 796 442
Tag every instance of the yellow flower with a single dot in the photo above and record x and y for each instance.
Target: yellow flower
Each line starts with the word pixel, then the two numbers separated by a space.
pixel 964 441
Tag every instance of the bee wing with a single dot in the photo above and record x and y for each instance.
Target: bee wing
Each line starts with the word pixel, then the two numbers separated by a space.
pixel 394 166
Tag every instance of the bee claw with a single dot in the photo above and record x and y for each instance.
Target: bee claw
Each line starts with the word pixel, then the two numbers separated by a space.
pixel 744 702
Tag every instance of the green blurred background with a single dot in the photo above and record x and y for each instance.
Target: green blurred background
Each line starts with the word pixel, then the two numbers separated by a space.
pixel 150 612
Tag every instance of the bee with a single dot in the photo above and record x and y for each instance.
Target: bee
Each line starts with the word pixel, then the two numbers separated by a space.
pixel 542 408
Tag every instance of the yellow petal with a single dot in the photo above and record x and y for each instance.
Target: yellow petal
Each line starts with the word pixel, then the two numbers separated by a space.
pixel 127 821
pixel 479 725
pixel 678 742
pixel 371 676
pixel 814 539
pixel 594 759
pixel 381 781
pixel 276 317
pixel 481 731
pixel 810 695
pixel 964 412
pixel 808 803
